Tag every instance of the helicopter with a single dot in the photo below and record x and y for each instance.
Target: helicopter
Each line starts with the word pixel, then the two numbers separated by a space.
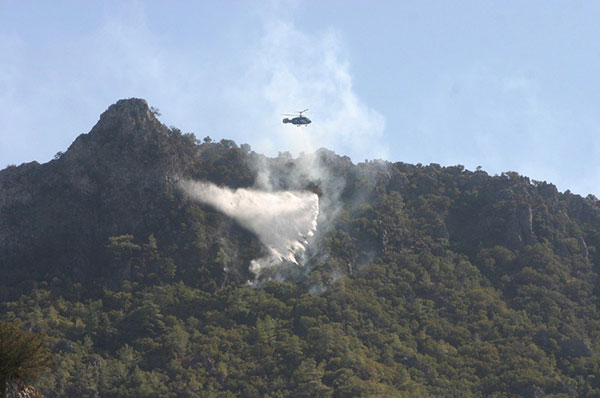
pixel 298 120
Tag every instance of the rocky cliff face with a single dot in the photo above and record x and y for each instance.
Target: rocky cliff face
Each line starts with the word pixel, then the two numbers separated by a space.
pixel 105 184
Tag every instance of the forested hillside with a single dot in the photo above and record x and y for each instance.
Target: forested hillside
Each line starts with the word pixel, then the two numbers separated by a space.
pixel 422 281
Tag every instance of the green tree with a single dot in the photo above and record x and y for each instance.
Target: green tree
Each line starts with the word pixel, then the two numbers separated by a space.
pixel 308 381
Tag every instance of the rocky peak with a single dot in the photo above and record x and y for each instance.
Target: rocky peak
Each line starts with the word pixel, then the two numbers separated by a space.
pixel 133 112
pixel 125 124
pixel 126 128
pixel 109 182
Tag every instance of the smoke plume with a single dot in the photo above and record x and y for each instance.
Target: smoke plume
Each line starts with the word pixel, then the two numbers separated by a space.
pixel 282 220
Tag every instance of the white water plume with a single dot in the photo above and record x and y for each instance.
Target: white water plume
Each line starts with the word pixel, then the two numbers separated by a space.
pixel 283 220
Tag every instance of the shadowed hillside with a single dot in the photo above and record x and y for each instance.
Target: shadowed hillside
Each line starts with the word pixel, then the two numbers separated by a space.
pixel 420 280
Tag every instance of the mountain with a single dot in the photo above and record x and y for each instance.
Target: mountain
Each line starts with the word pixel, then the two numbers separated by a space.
pixel 418 281
pixel 116 180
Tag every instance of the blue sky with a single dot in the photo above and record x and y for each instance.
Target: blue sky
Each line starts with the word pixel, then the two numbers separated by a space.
pixel 506 85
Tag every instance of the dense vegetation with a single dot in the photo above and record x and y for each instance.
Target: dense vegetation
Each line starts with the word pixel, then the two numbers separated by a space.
pixel 430 281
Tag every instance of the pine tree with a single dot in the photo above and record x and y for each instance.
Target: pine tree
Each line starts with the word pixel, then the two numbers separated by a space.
pixel 23 356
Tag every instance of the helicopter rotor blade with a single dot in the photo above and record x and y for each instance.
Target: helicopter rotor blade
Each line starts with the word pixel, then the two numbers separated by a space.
pixel 299 113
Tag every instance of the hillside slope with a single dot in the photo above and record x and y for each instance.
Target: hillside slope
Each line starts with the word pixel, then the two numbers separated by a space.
pixel 420 281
